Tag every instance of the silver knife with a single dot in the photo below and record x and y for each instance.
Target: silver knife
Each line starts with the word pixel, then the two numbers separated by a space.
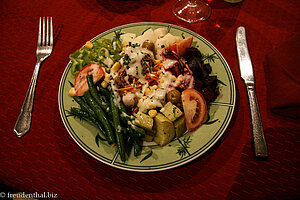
pixel 260 146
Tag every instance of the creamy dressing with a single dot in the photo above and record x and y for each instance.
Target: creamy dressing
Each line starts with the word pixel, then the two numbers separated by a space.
pixel 166 80
pixel 169 63
pixel 132 61
pixel 153 99
pixel 156 96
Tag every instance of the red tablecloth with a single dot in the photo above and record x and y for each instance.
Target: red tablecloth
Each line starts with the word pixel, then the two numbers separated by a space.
pixel 48 160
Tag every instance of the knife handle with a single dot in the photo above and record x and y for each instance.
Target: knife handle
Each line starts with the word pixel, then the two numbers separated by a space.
pixel 260 146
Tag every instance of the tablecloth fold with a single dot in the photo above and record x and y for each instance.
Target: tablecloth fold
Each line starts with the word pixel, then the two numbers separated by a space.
pixel 282 78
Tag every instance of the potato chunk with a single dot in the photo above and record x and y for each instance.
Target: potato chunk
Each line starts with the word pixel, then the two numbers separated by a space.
pixel 180 127
pixel 143 120
pixel 164 129
pixel 171 111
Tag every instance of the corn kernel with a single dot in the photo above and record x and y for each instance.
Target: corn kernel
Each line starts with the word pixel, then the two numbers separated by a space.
pixel 152 113
pixel 104 84
pixel 115 67
pixel 72 92
pixel 124 46
pixel 147 91
pixel 89 45
pixel 162 80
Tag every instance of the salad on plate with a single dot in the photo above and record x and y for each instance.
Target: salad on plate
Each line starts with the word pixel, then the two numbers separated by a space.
pixel 141 90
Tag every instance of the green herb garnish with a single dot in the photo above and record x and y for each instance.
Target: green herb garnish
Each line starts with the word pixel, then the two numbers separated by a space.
pixel 126 59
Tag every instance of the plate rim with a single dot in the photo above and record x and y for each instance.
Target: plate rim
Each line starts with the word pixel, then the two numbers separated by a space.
pixel 188 159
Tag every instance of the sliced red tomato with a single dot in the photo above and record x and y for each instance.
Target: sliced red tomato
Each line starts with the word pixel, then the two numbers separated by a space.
pixel 180 47
pixel 194 107
pixel 81 85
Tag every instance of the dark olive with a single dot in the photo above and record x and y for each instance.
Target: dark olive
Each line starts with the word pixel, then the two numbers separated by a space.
pixel 148 45
pixel 173 96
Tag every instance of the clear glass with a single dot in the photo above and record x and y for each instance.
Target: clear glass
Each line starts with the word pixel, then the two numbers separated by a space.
pixel 191 10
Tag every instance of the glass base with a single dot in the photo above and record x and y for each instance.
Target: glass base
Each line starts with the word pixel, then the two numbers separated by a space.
pixel 191 11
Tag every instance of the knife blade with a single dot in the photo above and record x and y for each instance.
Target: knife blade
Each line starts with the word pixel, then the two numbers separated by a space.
pixel 246 70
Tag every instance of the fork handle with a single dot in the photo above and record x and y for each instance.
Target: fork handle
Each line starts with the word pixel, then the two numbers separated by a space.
pixel 260 146
pixel 23 122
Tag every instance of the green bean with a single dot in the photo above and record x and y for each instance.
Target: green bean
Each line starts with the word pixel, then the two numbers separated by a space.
pixel 136 147
pixel 96 96
pixel 118 129
pixel 104 92
pixel 93 89
pixel 134 132
pixel 101 117
pixel 139 132
pixel 105 100
pixel 126 119
pixel 82 103
pixel 133 141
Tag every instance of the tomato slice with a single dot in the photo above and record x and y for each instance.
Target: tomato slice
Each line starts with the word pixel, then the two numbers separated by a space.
pixel 194 107
pixel 81 85
pixel 180 47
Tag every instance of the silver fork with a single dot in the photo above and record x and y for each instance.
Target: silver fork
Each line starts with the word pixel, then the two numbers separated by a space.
pixel 43 51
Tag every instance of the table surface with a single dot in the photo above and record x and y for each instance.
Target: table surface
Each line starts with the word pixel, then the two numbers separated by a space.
pixel 48 160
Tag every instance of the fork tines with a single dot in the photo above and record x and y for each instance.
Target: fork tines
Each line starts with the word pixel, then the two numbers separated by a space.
pixel 45 37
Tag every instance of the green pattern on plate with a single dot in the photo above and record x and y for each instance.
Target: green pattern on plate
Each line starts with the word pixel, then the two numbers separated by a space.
pixel 167 157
